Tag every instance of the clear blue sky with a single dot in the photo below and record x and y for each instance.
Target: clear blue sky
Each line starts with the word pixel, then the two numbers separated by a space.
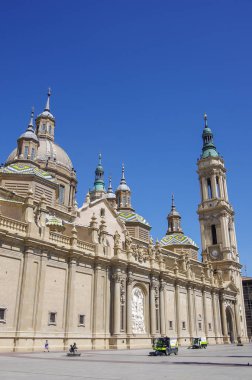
pixel 131 79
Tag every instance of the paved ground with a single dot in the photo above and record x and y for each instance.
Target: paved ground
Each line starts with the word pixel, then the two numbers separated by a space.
pixel 219 362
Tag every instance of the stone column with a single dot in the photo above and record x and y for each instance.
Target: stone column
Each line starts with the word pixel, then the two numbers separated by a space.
pixel 224 320
pixel 205 312
pixel 237 319
pixel 69 314
pixel 40 301
pixel 129 304
pixel 204 188
pixel 225 188
pixel 190 311
pixel 162 308
pixel 152 308
pixel 214 316
pixel 213 184
pixel 178 311
pixel 117 311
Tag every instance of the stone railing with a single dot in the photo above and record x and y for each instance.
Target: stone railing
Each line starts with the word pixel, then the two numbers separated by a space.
pixel 84 246
pixel 60 239
pixel 12 224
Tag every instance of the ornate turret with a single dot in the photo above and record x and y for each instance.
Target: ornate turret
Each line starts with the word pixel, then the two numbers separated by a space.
pixel 175 240
pixel 174 220
pixel 28 142
pixel 45 122
pixel 99 186
pixel 123 194
pixel 209 148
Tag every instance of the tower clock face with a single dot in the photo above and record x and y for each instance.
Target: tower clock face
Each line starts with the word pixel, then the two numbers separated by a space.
pixel 214 254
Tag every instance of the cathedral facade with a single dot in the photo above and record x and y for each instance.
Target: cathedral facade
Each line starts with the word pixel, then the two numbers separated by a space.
pixel 93 275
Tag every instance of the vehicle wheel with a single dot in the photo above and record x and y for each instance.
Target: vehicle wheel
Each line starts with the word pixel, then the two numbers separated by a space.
pixel 175 352
pixel 166 352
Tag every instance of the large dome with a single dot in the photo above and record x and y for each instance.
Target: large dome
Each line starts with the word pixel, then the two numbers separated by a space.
pixel 48 150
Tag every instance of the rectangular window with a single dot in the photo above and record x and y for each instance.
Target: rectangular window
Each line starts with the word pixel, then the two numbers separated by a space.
pixel 209 189
pixel 170 325
pixel 183 325
pixel 209 326
pixel 200 326
pixel 26 151
pixel 81 320
pixel 2 314
pixel 52 318
pixel 61 194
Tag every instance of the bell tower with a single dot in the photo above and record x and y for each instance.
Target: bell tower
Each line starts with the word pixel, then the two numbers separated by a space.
pixel 216 214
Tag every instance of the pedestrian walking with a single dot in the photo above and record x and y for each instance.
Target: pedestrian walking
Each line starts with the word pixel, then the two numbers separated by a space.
pixel 46 346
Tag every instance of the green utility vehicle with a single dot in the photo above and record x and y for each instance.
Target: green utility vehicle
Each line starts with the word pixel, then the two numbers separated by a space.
pixel 199 342
pixel 164 346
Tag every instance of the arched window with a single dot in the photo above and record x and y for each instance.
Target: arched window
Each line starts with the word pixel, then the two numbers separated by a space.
pixel 209 189
pixel 214 234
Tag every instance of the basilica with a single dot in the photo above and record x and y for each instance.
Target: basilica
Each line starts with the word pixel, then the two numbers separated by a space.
pixel 92 274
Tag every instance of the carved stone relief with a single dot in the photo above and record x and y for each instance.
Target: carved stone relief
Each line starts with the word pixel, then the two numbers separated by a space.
pixel 138 326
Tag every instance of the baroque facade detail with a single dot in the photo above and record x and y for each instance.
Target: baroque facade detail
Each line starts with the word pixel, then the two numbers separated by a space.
pixel 93 274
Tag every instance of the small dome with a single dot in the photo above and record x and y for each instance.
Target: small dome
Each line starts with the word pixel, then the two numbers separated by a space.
pixel 46 114
pixel 29 134
pixel 111 196
pixel 123 186
pixel 130 216
pixel 48 150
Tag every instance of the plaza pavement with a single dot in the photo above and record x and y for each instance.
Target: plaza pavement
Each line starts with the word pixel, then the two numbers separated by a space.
pixel 216 362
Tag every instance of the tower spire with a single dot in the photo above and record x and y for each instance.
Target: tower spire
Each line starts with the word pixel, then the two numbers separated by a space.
pixel 208 149
pixel 110 189
pixel 31 123
pixel 47 107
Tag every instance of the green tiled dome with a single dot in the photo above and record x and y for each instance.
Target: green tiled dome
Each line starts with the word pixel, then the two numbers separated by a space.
pixel 177 239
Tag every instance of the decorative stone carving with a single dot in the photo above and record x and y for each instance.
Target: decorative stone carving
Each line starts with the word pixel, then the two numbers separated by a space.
pixel 117 277
pixel 122 295
pixel 139 253
pixel 137 303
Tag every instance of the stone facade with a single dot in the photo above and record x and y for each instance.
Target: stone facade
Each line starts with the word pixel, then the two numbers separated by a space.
pixel 93 274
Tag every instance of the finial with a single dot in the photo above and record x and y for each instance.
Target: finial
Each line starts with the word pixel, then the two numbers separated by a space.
pixel 123 176
pixel 110 185
pixel 31 119
pixel 47 107
pixel 100 157
pixel 173 203
pixel 205 119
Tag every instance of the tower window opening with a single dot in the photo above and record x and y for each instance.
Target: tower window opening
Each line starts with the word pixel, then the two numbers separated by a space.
pixel 26 151
pixel 218 187
pixel 43 127
pixel 50 129
pixel 61 194
pixel 102 212
pixel 32 153
pixel 214 234
pixel 209 189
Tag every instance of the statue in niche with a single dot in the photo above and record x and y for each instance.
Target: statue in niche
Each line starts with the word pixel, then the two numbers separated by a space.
pixel 117 240
pixel 138 326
